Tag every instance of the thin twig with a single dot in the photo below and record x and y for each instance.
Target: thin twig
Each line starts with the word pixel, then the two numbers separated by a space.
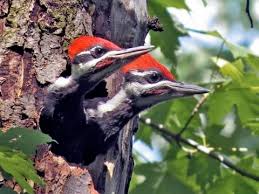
pixel 194 111
pixel 249 14
pixel 203 99
pixel 170 136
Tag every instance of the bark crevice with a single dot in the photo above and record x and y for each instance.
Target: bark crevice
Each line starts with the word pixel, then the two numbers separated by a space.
pixel 34 35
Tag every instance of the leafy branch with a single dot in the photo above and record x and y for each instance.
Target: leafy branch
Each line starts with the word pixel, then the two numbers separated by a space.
pixel 170 137
pixel 19 166
pixel 17 147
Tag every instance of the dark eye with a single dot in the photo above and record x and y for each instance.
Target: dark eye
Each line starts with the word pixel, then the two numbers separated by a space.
pixel 154 78
pixel 98 51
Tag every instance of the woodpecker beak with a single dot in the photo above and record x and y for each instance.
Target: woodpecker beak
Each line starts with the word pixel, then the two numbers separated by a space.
pixel 172 89
pixel 164 90
pixel 126 53
pixel 119 55
pixel 180 89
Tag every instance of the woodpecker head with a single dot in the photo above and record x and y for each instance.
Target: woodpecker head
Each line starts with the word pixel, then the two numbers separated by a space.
pixel 147 83
pixel 99 57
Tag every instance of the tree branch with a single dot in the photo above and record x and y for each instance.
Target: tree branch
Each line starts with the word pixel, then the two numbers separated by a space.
pixel 194 111
pixel 249 14
pixel 170 136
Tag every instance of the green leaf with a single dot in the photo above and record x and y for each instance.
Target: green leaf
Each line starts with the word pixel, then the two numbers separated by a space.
pixel 241 92
pixel 19 166
pixel 5 190
pixel 168 39
pixel 180 4
pixel 204 2
pixel 228 141
pixel 204 168
pixel 173 115
pixel 159 180
pixel 231 184
pixel 232 70
pixel 158 114
pixel 252 61
pixel 237 51
pixel 222 186
pixel 180 112
pixel 23 139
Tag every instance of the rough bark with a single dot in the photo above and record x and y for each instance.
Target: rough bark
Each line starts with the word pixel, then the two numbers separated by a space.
pixel 34 35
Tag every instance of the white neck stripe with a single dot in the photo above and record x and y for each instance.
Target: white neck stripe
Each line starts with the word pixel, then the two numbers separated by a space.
pixel 111 104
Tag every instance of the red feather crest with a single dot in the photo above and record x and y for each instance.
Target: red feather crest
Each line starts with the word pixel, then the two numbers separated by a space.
pixel 85 42
pixel 147 62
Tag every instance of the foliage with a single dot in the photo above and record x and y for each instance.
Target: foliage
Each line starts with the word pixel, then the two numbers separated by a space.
pixel 227 122
pixel 16 149
pixel 5 190
pixel 170 42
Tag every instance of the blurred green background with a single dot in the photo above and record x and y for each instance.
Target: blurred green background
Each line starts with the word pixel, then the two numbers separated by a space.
pixel 209 43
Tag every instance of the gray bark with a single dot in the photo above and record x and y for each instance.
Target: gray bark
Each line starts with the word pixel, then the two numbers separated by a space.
pixel 34 35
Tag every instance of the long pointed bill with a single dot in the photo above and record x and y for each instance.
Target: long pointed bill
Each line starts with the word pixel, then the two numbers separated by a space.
pixel 166 90
pixel 113 60
pixel 178 89
pixel 172 89
pixel 130 52
pixel 163 91
pixel 118 58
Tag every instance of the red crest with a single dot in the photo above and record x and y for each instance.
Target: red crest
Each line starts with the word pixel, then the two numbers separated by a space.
pixel 147 62
pixel 86 42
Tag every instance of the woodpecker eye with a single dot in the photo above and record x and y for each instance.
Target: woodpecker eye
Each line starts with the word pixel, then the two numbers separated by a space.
pixel 98 51
pixel 154 78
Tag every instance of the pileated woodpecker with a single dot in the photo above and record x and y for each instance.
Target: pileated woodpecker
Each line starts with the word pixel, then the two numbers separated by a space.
pixel 146 83
pixel 63 116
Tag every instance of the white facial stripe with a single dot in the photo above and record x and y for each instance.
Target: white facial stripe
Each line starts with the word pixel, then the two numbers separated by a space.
pixel 84 52
pixel 142 74
pixel 88 67
pixel 137 88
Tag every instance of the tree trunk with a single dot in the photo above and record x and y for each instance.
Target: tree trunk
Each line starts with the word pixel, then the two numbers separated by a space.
pixel 34 35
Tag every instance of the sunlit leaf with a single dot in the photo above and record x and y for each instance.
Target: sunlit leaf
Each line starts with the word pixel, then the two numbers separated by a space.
pixel 230 69
pixel 23 139
pixel 242 92
pixel 252 61
pixel 180 4
pixel 20 167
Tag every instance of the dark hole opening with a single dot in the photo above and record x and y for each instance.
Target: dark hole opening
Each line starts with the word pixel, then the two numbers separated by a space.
pixel 24 116
pixel 17 49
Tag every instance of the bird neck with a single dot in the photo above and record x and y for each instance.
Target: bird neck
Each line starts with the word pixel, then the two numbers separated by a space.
pixel 113 114
pixel 66 96
pixel 72 87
